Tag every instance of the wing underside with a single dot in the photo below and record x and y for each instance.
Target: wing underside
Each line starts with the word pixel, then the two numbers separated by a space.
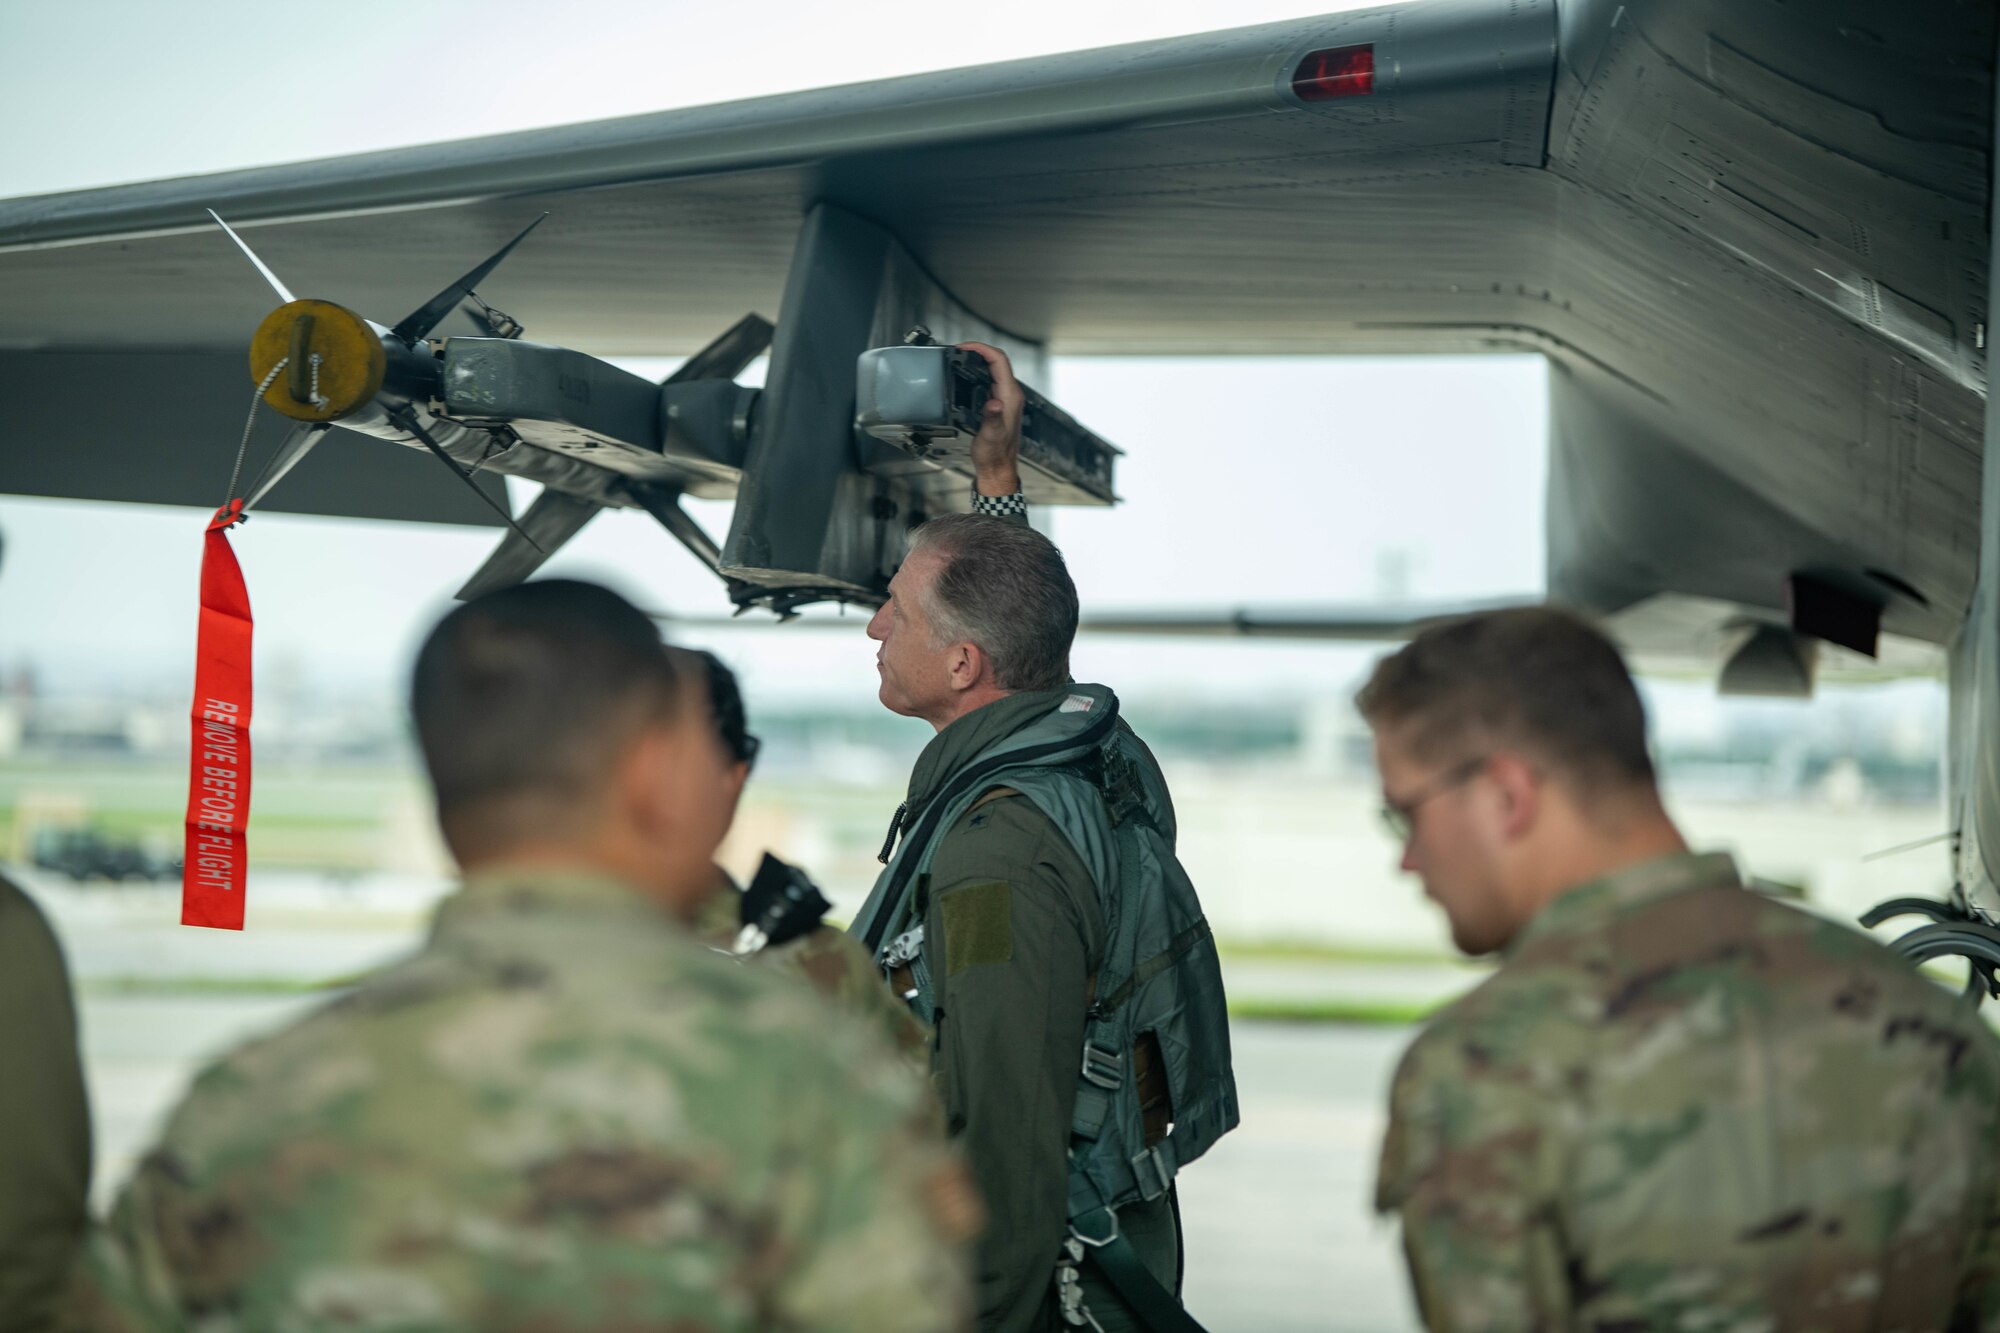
pixel 1750 240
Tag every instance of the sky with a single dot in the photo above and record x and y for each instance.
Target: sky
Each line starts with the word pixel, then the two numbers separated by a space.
pixel 1245 482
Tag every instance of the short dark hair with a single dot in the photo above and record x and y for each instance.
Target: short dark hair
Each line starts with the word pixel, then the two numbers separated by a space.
pixel 524 698
pixel 725 701
pixel 1005 588
pixel 1536 679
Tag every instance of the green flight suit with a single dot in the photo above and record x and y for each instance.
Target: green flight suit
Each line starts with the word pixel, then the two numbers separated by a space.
pixel 44 1118
pixel 1013 933
pixel 1682 1105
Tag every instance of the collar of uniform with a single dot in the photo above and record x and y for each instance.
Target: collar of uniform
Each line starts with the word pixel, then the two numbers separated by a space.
pixel 521 890
pixel 720 915
pixel 962 741
pixel 1625 889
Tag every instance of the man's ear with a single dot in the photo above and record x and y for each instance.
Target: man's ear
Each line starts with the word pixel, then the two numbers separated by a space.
pixel 640 791
pixel 967 666
pixel 1519 791
pixel 733 779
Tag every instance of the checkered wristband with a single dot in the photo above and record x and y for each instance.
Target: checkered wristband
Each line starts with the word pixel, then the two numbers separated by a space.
pixel 999 506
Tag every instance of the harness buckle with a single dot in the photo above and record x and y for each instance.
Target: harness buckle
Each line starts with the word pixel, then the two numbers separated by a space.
pixel 1096 1242
pixel 1124 796
pixel 1152 1158
pixel 1069 1287
pixel 903 949
pixel 1104 1068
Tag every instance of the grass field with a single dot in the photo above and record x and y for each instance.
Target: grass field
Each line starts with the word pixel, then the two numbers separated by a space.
pixel 341 820
pixel 1294 872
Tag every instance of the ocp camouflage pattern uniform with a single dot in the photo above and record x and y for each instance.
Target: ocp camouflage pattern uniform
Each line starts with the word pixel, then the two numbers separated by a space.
pixel 564 1113
pixel 1682 1105
pixel 829 960
pixel 44 1118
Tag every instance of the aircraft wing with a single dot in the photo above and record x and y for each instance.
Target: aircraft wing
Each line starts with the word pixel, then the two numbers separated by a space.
pixel 1667 636
pixel 1150 198
pixel 1751 241
pixel 1364 622
pixel 1169 196
pixel 1370 622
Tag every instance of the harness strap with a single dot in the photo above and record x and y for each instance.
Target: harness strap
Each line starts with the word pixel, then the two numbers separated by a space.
pixel 1105 1243
pixel 1093 1108
pixel 884 909
pixel 1096 1227
pixel 1130 1278
pixel 1152 967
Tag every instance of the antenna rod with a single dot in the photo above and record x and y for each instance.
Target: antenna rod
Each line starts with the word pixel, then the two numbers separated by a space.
pixel 262 268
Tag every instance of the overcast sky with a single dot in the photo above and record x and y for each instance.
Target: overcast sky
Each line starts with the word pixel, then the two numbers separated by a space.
pixel 1246 482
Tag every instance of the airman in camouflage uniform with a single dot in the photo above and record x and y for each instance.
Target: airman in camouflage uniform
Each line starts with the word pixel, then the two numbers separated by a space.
pixel 824 957
pixel 827 959
pixel 1678 1104
pixel 565 1112
pixel 44 1118
pixel 45 1149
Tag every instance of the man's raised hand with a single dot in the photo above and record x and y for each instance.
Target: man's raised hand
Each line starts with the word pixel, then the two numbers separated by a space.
pixel 996 450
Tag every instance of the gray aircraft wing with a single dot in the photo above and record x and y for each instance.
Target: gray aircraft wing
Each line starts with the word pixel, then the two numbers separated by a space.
pixel 1173 195
pixel 1367 622
pixel 1667 636
pixel 1664 636
pixel 1169 196
pixel 1750 240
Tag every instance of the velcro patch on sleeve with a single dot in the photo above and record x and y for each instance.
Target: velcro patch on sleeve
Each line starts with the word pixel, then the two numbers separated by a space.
pixel 978 925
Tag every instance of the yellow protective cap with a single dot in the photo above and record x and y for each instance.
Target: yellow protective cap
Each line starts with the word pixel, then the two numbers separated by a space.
pixel 351 360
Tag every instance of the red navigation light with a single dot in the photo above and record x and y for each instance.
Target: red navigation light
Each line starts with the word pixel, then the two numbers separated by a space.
pixel 1338 71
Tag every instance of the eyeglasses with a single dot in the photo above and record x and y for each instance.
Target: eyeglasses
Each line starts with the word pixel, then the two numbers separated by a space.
pixel 1399 817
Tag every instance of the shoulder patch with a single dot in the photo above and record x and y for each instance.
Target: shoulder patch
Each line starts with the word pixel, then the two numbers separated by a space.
pixel 978 925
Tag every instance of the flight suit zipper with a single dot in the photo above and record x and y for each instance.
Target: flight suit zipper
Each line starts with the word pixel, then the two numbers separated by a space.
pixel 895 827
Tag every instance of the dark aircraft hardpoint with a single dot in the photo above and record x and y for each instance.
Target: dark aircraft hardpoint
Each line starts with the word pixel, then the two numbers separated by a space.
pixel 599 437
pixel 1754 243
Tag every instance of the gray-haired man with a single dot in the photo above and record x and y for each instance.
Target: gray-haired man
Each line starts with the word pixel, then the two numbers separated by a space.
pixel 988 918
